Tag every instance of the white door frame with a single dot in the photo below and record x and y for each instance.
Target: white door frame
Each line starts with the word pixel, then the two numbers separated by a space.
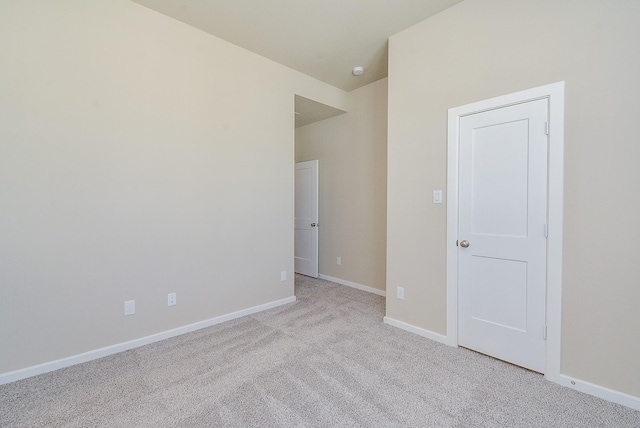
pixel 555 95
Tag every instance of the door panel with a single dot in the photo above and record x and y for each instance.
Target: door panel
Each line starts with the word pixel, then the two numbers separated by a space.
pixel 306 218
pixel 499 292
pixel 496 183
pixel 502 214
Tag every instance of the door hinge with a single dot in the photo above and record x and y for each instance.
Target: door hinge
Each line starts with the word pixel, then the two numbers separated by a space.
pixel 544 333
pixel 546 128
pixel 546 230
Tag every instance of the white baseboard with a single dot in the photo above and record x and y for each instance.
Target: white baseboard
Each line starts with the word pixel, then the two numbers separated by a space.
pixel 416 330
pixel 597 391
pixel 125 346
pixel 353 285
pixel 564 380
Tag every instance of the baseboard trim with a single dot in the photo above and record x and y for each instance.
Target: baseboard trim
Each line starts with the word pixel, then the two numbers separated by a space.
pixel 597 391
pixel 136 343
pixel 416 330
pixel 353 285
pixel 564 380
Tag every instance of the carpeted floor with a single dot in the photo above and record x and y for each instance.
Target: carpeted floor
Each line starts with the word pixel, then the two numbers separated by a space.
pixel 326 360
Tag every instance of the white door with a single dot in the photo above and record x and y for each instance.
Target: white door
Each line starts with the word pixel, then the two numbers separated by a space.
pixel 502 228
pixel 306 218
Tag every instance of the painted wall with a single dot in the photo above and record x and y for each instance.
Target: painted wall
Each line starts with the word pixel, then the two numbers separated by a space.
pixel 352 150
pixel 484 48
pixel 138 156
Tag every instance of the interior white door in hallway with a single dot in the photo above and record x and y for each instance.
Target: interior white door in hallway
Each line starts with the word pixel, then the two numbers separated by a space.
pixel 502 229
pixel 306 218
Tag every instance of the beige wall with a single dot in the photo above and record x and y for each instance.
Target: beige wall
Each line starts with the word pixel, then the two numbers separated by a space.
pixel 485 48
pixel 138 156
pixel 352 153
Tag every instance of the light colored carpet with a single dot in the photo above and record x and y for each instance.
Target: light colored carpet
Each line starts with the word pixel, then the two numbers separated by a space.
pixel 326 360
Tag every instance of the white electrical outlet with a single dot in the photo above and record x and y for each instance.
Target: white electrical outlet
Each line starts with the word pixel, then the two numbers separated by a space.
pixel 339 261
pixel 283 275
pixel 171 299
pixel 130 307
pixel 400 293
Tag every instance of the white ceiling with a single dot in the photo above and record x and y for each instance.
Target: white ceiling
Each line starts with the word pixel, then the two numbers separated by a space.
pixel 309 111
pixel 324 39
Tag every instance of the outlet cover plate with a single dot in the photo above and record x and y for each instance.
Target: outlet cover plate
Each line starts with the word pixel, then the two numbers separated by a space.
pixel 129 307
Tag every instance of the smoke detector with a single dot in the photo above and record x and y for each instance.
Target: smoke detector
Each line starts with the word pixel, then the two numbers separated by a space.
pixel 357 71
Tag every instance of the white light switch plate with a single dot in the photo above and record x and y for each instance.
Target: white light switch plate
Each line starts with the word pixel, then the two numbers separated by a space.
pixel 437 196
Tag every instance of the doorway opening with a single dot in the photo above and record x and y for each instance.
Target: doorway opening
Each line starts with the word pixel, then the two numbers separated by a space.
pixel 553 96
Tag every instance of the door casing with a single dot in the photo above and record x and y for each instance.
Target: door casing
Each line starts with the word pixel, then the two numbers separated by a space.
pixel 555 94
